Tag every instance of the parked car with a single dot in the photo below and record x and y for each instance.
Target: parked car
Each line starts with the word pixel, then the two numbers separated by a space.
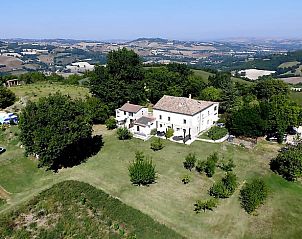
pixel 231 138
pixel 2 150
pixel 283 149
pixel 221 125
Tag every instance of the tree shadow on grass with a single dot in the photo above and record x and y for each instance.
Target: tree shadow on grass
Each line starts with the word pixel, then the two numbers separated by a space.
pixel 78 152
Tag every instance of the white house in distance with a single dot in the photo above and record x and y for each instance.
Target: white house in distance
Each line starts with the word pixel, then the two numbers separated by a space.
pixel 186 116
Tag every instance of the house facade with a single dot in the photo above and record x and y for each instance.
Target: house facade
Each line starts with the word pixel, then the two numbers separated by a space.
pixel 128 114
pixel 186 116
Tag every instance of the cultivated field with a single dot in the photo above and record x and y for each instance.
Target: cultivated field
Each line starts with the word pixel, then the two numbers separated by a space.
pixel 292 80
pixel 37 90
pixel 168 201
pixel 254 74
pixel 289 64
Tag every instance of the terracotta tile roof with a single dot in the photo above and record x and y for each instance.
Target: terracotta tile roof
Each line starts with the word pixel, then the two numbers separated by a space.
pixel 144 120
pixel 131 107
pixel 181 105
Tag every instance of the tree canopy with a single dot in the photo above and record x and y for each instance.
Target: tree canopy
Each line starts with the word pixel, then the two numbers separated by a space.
pixel 57 130
pixel 7 97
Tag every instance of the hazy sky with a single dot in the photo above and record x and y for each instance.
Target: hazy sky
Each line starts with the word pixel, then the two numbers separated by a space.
pixel 129 19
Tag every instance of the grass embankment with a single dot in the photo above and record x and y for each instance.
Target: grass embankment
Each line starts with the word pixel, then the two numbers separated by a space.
pixel 168 201
pixel 73 209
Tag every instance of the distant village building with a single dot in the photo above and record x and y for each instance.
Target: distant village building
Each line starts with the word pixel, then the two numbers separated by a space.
pixel 13 82
pixel 80 67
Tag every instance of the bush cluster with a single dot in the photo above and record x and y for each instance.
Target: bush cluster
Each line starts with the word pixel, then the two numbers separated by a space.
pixel 190 161
pixel 253 194
pixel 210 164
pixel 289 163
pixel 157 144
pixel 216 132
pixel 205 205
pixel 227 165
pixel 142 170
pixel 186 179
pixel 169 133
pixel 123 133
pixel 224 188
pixel 110 123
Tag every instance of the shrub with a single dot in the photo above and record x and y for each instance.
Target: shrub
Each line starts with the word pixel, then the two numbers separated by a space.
pixel 157 144
pixel 186 179
pixel 224 188
pixel 228 165
pixel 289 163
pixel 153 131
pixel 210 164
pixel 123 134
pixel 253 194
pixel 216 132
pixel 110 123
pixel 142 170
pixel 190 161
pixel 169 133
pixel 200 166
pixel 205 205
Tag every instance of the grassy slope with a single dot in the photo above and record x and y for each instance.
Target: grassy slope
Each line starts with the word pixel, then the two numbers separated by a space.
pixel 37 90
pixel 288 64
pixel 169 201
pixel 205 75
pixel 75 209
pixel 297 97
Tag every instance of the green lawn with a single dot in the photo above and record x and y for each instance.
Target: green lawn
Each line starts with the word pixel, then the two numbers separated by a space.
pixel 37 90
pixel 296 96
pixel 169 201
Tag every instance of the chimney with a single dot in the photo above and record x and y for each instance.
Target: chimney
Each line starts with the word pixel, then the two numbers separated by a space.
pixel 190 96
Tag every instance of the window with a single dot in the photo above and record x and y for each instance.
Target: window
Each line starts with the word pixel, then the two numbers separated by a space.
pixel 208 112
pixel 125 112
pixel 169 118
pixel 215 108
pixel 185 121
pixel 137 128
pixel 130 114
pixel 159 116
pixel 160 125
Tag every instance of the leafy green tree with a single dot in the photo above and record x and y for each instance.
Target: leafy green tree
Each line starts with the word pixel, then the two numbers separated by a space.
pixel 247 121
pixel 142 170
pixel 55 128
pixel 7 97
pixel 190 161
pixel 210 165
pixel 227 165
pixel 32 77
pixel 200 166
pixel 221 80
pixel 211 94
pixel 289 163
pixel 123 133
pixel 157 144
pixel 122 80
pixel 97 110
pixel 265 89
pixel 253 194
pixel 111 123
pixel 193 86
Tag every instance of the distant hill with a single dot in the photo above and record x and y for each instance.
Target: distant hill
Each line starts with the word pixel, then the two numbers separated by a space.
pixel 73 209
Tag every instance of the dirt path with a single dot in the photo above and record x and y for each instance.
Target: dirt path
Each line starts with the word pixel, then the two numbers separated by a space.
pixel 3 193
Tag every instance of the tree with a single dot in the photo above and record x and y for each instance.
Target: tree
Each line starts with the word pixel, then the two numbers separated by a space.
pixel 7 97
pixel 157 144
pixel 211 94
pixel 110 123
pixel 210 164
pixel 265 89
pixel 224 188
pixel 289 163
pixel 190 161
pixel 123 133
pixel 97 110
pixel 142 170
pixel 56 128
pixel 121 81
pixel 221 80
pixel 247 121
pixel 253 194
pixel 205 205
pixel 169 133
